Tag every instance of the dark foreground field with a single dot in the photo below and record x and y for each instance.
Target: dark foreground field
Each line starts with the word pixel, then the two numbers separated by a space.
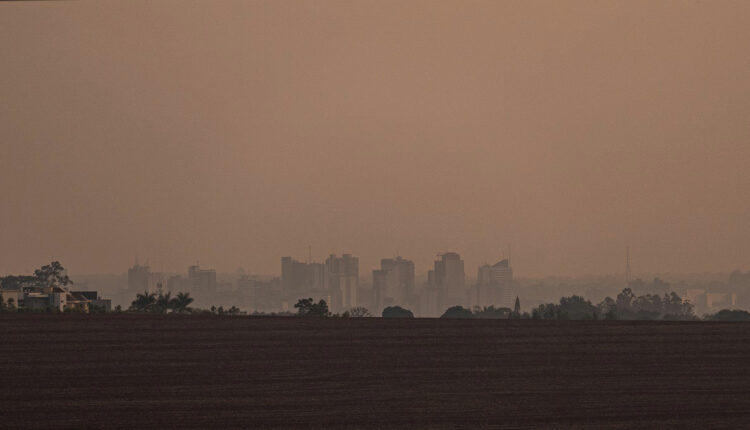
pixel 78 371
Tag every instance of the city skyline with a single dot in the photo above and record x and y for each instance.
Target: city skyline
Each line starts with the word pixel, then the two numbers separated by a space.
pixel 212 132
pixel 623 266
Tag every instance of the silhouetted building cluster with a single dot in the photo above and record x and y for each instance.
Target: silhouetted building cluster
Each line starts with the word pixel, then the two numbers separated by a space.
pixel 394 284
pixel 337 281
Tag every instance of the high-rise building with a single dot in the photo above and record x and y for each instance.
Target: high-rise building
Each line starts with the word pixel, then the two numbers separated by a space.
pixel 138 278
pixel 202 281
pixel 300 278
pixel 247 290
pixel 343 280
pixel 449 277
pixel 495 284
pixel 393 284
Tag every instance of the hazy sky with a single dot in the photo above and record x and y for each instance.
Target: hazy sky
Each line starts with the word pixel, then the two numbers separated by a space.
pixel 237 132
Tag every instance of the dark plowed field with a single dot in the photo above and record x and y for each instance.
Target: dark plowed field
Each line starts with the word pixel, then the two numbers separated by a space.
pixel 77 371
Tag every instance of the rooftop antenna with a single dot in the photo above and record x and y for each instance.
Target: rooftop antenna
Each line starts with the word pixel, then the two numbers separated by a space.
pixel 627 265
pixel 309 254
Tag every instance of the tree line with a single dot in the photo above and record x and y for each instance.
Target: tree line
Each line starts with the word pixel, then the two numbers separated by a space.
pixel 626 306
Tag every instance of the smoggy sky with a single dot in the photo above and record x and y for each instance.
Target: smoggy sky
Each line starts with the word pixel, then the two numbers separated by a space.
pixel 237 132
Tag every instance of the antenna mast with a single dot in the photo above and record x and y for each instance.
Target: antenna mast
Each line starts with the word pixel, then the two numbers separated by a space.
pixel 627 265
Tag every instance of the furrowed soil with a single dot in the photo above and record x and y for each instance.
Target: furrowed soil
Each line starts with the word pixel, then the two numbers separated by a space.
pixel 135 371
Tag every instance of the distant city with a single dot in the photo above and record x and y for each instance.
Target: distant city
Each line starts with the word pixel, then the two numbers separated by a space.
pixel 337 281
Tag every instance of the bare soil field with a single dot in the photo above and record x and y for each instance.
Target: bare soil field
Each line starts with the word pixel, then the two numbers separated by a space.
pixel 131 371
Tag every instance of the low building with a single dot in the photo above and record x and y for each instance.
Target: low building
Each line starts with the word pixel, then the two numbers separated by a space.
pixel 60 299
pixel 12 297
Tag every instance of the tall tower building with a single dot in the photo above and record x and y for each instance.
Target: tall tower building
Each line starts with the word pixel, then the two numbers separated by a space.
pixel 449 277
pixel 202 281
pixel 138 278
pixel 300 278
pixel 495 284
pixel 393 284
pixel 343 280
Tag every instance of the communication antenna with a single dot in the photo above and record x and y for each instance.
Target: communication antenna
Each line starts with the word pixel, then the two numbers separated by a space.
pixel 309 254
pixel 627 265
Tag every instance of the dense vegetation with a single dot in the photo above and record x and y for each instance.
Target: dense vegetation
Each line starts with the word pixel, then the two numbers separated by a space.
pixel 396 312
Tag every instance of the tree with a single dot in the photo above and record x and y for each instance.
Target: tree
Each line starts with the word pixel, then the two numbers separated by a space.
pixel 308 308
pixel 624 301
pixel 648 307
pixel 180 303
pixel 359 312
pixel 397 312
pixel 548 311
pixel 457 312
pixel 517 308
pixel 234 311
pixel 577 308
pixel 163 303
pixel 491 312
pixel 628 306
pixel 52 275
pixel 676 308
pixel 729 315
pixel 608 306
pixel 143 302
pixel 570 308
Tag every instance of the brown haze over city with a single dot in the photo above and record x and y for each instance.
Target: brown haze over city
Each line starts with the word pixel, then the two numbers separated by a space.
pixel 237 132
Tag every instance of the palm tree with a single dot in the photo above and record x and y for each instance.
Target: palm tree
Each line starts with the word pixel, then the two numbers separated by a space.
pixel 180 303
pixel 143 302
pixel 163 302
